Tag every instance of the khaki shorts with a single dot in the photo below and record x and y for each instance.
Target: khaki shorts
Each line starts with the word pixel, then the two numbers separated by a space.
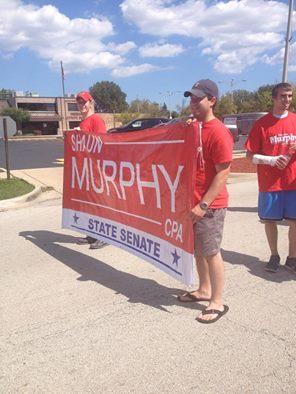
pixel 208 233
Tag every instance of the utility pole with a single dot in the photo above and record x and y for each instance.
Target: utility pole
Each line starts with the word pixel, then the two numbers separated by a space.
pixel 288 40
pixel 63 78
pixel 63 102
pixel 169 93
pixel 232 83
pixel 6 148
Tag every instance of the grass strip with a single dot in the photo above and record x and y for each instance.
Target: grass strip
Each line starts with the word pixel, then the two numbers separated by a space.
pixel 14 187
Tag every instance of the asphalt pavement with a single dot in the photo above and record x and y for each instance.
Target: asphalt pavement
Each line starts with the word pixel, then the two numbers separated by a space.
pixel 104 321
pixel 32 153
pixel 28 153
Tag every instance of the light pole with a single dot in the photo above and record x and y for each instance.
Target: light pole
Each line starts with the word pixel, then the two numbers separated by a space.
pixel 63 102
pixel 232 83
pixel 169 93
pixel 138 104
pixel 288 40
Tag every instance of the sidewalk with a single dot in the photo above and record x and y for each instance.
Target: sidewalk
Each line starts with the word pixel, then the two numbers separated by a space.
pixel 104 321
pixel 52 177
pixel 48 184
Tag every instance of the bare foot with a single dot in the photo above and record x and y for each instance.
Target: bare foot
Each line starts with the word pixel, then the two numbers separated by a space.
pixel 194 296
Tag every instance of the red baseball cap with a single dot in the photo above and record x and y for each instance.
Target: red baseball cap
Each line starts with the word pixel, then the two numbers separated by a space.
pixel 86 96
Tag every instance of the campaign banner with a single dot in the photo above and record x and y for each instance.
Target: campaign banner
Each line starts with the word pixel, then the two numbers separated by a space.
pixel 134 190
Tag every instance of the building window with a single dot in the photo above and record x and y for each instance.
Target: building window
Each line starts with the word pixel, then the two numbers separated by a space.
pixel 72 107
pixel 72 125
pixel 42 107
pixel 40 128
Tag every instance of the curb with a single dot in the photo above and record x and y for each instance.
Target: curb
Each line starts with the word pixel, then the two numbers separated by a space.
pixel 237 154
pixel 10 203
pixel 16 202
pixel 35 138
pixel 239 151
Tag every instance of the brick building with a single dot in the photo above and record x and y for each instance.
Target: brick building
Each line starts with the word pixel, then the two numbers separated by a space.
pixel 51 115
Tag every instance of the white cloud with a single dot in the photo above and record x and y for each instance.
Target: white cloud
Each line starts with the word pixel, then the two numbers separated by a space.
pixel 235 34
pixel 54 37
pixel 279 57
pixel 122 48
pixel 160 50
pixel 128 71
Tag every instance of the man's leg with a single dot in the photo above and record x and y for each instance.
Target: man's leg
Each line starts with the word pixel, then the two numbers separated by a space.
pixel 202 266
pixel 271 232
pixel 270 209
pixel 291 259
pixel 290 214
pixel 204 289
pixel 292 239
pixel 216 272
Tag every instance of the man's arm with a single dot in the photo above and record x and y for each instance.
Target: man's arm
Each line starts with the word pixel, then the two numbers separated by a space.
pixel 216 186
pixel 280 161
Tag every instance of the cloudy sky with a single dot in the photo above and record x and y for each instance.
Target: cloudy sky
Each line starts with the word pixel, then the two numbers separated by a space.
pixel 152 48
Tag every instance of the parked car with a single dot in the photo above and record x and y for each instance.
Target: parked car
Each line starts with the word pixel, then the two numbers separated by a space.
pixel 245 120
pixel 230 123
pixel 139 124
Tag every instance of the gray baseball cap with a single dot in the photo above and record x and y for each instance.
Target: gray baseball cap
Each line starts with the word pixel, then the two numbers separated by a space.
pixel 204 87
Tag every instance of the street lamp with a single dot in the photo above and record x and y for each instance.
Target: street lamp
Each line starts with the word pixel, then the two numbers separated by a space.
pixel 169 94
pixel 288 40
pixel 232 83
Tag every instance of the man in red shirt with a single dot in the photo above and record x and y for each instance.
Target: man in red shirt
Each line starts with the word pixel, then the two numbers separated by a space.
pixel 271 145
pixel 211 199
pixel 91 123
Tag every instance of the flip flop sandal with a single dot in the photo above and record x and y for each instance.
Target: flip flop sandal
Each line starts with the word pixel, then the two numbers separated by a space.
pixel 212 312
pixel 191 298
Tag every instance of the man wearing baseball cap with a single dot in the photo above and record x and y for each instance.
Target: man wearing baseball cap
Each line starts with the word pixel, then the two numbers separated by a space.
pixel 94 124
pixel 91 122
pixel 211 199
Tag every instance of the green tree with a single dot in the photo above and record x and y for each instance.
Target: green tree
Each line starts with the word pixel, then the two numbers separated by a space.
pixel 263 99
pixel 109 97
pixel 5 93
pixel 164 110
pixel 146 107
pixel 126 117
pixel 174 114
pixel 225 106
pixel 293 105
pixel 183 111
pixel 244 100
pixel 18 115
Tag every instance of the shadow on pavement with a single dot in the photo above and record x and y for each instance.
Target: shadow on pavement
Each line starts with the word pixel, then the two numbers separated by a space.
pixel 137 290
pixel 256 267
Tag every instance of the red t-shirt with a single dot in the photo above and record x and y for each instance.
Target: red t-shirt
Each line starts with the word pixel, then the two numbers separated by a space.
pixel 93 124
pixel 271 136
pixel 215 148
